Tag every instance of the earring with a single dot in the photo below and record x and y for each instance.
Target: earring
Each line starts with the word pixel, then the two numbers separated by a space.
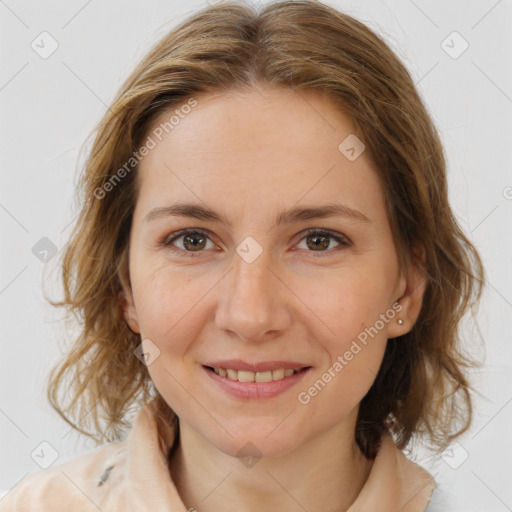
pixel 400 321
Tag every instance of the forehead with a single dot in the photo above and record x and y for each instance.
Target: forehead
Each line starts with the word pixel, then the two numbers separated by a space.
pixel 261 118
pixel 264 146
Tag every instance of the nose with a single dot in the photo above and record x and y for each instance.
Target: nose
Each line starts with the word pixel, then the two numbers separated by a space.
pixel 254 304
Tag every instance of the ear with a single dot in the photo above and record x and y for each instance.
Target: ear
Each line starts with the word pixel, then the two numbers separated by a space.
pixel 413 283
pixel 129 311
pixel 125 296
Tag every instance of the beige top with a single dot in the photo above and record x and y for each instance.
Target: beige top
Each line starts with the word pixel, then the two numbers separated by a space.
pixel 133 475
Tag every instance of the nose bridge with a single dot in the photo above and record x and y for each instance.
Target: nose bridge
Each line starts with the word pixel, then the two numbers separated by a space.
pixel 250 286
pixel 250 279
pixel 250 306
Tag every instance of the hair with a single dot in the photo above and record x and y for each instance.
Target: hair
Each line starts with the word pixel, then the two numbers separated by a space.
pixel 422 387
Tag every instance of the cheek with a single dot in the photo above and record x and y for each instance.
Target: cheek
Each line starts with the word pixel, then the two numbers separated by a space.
pixel 352 314
pixel 346 302
pixel 169 312
pixel 337 390
pixel 167 307
pixel 352 358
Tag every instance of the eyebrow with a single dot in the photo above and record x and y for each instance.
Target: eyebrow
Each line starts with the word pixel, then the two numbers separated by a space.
pixel 293 215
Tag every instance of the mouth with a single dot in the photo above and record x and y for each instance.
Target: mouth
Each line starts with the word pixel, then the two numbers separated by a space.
pixel 260 376
pixel 250 385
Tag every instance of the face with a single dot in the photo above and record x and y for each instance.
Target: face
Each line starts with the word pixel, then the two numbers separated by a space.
pixel 265 280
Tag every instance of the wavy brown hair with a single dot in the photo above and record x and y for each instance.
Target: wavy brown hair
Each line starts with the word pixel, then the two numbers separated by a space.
pixel 422 386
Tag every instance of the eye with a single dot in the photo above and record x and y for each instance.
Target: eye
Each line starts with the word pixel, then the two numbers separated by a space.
pixel 193 241
pixel 319 240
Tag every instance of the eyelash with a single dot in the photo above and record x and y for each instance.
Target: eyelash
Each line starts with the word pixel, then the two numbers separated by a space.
pixel 167 242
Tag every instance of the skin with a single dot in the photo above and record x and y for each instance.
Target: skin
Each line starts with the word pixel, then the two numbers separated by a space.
pixel 250 155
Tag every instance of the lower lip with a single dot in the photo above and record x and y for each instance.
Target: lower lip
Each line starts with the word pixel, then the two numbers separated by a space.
pixel 257 390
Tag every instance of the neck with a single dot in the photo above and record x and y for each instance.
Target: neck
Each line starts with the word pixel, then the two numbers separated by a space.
pixel 325 474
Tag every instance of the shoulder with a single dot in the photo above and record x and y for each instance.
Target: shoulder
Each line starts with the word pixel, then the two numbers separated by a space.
pixel 415 485
pixel 75 485
pixel 442 500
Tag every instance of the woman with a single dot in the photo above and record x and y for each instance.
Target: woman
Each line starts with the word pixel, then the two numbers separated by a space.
pixel 268 273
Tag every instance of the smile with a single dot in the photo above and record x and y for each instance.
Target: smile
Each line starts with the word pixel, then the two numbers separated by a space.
pixel 250 385
pixel 248 376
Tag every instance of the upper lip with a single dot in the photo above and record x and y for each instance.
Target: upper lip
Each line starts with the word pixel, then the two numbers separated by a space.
pixel 238 364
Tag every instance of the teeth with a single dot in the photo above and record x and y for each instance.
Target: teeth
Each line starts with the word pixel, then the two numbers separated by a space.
pixel 246 376
pixel 278 374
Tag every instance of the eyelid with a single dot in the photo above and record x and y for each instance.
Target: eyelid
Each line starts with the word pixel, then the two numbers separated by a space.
pixel 169 239
pixel 340 238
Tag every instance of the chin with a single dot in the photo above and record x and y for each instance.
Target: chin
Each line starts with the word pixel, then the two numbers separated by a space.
pixel 261 439
pixel 251 448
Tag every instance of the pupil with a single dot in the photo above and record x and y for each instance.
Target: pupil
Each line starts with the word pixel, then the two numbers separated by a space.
pixel 194 237
pixel 317 244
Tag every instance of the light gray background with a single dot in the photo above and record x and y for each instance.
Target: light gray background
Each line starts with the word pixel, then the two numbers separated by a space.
pixel 49 106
